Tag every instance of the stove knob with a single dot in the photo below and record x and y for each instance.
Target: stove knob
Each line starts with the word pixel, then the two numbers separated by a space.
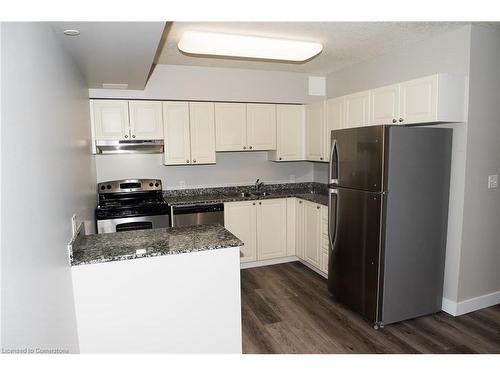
pixel 109 186
pixel 157 184
pixel 151 184
pixel 103 187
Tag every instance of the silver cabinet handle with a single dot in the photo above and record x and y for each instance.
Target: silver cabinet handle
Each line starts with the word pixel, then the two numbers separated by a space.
pixel 300 202
pixel 280 158
pixel 194 160
pixel 126 135
pixel 260 202
pixel 244 147
pixel 318 207
pixel 250 147
pixel 320 158
pixel 187 161
pixel 401 120
pixel 133 135
pixel 253 203
pixel 394 120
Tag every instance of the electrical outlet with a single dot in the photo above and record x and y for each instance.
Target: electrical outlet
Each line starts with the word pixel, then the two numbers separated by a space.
pixel 492 181
pixel 292 178
pixel 182 184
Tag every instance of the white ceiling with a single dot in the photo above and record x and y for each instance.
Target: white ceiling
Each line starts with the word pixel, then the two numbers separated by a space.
pixel 344 43
pixel 112 52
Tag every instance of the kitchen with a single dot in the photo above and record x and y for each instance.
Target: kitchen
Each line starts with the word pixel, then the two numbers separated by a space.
pixel 248 152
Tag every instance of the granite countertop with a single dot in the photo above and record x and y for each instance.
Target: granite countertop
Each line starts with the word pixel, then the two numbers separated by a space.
pixel 310 191
pixel 109 247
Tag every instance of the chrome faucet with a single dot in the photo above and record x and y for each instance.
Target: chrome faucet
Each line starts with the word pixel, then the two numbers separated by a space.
pixel 258 184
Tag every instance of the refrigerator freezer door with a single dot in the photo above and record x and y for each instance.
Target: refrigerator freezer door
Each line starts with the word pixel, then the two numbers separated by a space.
pixel 357 158
pixel 353 270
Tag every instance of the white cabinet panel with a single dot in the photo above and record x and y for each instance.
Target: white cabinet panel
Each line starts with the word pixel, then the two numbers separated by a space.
pixel 145 119
pixel 230 125
pixel 176 133
pixel 240 219
pixel 312 233
pixel 290 128
pixel 384 105
pixel 315 131
pixel 418 100
pixel 291 225
pixel 261 126
pixel 334 120
pixel 271 228
pixel 357 109
pixel 111 119
pixel 299 228
pixel 202 131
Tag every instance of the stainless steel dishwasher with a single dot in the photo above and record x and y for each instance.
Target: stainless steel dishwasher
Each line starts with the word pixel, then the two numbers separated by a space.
pixel 197 214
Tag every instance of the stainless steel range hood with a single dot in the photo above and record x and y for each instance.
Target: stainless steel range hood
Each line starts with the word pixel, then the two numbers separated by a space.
pixel 129 147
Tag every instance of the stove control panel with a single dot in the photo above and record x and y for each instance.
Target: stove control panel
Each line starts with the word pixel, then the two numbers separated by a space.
pixel 129 186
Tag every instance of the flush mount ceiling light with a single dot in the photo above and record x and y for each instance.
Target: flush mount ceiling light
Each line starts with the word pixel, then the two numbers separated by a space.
pixel 71 32
pixel 206 43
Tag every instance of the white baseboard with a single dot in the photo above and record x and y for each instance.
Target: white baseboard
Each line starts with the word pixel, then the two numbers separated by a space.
pixel 469 305
pixel 268 262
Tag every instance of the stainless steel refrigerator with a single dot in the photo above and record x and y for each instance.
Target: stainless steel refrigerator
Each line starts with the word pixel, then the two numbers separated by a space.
pixel 387 218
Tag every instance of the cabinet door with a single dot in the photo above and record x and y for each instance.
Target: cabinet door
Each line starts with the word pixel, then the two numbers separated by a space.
pixel 240 219
pixel 315 133
pixel 384 105
pixel 145 119
pixel 312 233
pixel 290 132
pixel 261 126
pixel 111 119
pixel 230 126
pixel 176 133
pixel 357 109
pixel 202 127
pixel 419 100
pixel 334 121
pixel 299 228
pixel 291 224
pixel 271 228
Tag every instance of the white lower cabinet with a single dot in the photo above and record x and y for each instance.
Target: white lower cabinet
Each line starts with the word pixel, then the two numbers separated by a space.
pixel 240 218
pixel 271 228
pixel 312 233
pixel 261 225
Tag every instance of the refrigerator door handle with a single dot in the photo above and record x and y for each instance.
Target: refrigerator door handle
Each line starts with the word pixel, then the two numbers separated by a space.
pixel 332 238
pixel 330 177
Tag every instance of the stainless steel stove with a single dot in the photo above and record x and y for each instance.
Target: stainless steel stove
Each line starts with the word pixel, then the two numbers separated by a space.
pixel 125 205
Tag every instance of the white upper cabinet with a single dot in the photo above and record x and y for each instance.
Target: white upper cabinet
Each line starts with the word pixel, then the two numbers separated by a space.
pixel 202 132
pixel 384 105
pixel 271 228
pixel 111 120
pixel 176 132
pixel 334 121
pixel 357 109
pixel 315 131
pixel 230 126
pixel 289 133
pixel 261 126
pixel 145 119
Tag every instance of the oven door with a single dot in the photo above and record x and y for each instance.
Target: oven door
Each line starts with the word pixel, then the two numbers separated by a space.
pixel 132 223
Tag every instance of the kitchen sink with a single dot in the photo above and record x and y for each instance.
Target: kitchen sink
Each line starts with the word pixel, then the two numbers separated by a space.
pixel 256 194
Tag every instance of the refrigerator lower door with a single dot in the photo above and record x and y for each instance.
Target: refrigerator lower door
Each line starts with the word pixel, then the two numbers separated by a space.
pixel 353 269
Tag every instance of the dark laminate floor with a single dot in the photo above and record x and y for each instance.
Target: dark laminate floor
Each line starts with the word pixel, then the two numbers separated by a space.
pixel 286 308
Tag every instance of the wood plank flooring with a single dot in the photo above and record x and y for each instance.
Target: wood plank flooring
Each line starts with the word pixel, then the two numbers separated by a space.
pixel 286 308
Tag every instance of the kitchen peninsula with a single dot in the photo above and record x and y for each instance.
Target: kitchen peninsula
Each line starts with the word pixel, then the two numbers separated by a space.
pixel 173 290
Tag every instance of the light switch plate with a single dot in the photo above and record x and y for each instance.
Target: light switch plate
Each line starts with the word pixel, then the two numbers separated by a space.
pixel 492 181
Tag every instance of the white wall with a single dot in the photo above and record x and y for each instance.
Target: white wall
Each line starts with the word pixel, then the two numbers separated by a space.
pixel 445 53
pixel 232 168
pixel 480 259
pixel 170 82
pixel 47 175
